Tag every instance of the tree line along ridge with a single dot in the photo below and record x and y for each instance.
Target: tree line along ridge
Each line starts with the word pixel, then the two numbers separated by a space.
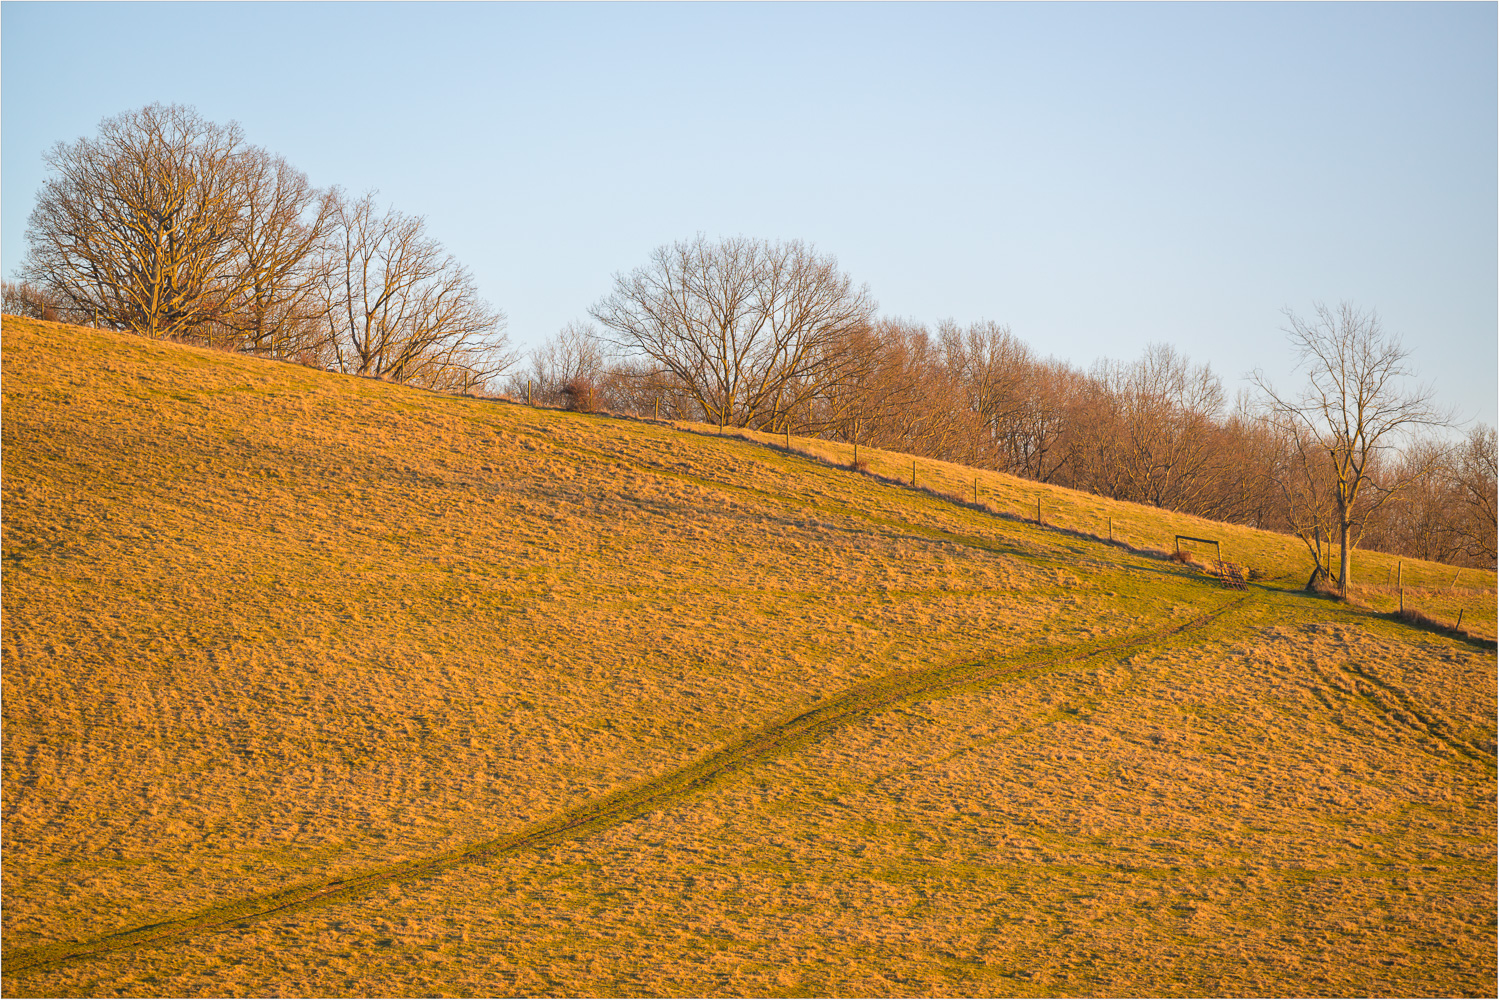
pixel 168 225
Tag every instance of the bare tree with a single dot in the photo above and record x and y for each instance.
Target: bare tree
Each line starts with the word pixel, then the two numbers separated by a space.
pixel 1035 443
pixel 1248 448
pixel 1167 408
pixel 1474 475
pixel 889 391
pixel 924 411
pixel 1355 405
pixel 740 323
pixel 137 226
pixel 278 306
pixel 1304 479
pixel 636 385
pixel 1092 439
pixel 994 367
pixel 575 353
pixel 24 299
pixel 400 307
pixel 846 406
pixel 1419 520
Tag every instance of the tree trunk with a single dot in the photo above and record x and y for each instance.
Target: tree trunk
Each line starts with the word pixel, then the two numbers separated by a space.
pixel 1343 558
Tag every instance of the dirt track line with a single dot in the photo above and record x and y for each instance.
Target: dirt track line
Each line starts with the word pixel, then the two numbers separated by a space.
pixel 1400 710
pixel 762 744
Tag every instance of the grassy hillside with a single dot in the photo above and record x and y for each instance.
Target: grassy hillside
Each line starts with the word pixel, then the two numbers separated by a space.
pixel 320 685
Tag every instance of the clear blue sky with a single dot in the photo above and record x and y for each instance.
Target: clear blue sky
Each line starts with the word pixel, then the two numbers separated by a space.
pixel 1097 176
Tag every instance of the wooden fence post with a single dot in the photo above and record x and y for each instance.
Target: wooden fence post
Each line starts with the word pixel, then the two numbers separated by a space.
pixel 913 473
pixel 1111 529
pixel 528 393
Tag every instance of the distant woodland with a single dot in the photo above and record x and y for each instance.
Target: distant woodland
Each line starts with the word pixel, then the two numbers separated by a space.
pixel 171 226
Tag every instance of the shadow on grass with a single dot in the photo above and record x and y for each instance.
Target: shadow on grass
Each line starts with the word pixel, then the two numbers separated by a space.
pixel 1410 617
pixel 1426 623
pixel 1192 568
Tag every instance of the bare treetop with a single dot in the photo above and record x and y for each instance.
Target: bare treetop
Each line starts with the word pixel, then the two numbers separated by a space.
pixel 401 307
pixel 137 226
pixel 744 324
pixel 1357 377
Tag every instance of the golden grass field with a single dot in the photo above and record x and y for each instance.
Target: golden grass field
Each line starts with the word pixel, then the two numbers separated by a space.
pixel 318 685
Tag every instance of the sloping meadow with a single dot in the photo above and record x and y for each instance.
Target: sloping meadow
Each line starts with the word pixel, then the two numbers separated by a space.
pixel 267 627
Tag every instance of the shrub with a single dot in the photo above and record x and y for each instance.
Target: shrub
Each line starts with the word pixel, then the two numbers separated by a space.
pixel 1421 620
pixel 23 299
pixel 1191 560
pixel 579 395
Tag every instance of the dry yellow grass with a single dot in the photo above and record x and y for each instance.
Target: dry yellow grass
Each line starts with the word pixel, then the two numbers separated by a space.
pixel 1440 591
pixel 267 628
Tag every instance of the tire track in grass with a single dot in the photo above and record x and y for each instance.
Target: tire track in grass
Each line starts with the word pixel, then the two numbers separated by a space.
pixel 783 736
pixel 1396 708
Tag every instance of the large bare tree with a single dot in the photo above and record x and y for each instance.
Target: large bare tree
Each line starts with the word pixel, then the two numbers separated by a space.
pixel 749 327
pixel 1356 403
pixel 401 307
pixel 136 227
